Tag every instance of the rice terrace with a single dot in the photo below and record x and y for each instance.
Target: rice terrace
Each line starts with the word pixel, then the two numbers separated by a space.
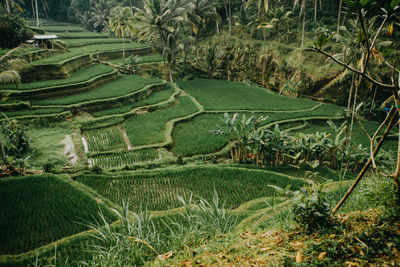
pixel 199 133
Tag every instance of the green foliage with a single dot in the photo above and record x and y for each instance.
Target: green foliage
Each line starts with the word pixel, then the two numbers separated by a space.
pixel 10 77
pixel 124 85
pixel 13 31
pixel 158 189
pixel 130 65
pixel 49 166
pixel 225 95
pixel 311 212
pixel 46 205
pixel 15 140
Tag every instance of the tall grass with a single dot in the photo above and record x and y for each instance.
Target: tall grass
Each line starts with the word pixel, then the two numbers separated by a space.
pixel 140 238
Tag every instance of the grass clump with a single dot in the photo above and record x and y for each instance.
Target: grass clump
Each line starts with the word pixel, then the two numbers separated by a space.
pixel 124 85
pixel 80 76
pixel 138 127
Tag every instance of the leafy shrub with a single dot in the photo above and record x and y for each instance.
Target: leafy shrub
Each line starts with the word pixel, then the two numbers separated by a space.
pixel 13 31
pixel 49 166
pixel 97 169
pixel 310 209
pixel 16 142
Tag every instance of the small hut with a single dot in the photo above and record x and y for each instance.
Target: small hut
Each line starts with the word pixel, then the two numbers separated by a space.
pixel 43 41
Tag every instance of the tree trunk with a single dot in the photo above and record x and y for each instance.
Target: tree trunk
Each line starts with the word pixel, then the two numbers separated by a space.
pixel 170 72
pixel 351 92
pixel 3 155
pixel 37 14
pixel 217 25
pixel 366 166
pixel 8 7
pixel 315 10
pixel 33 10
pixel 230 18
pixel 397 173
pixel 304 28
pixel 264 34
pixel 339 13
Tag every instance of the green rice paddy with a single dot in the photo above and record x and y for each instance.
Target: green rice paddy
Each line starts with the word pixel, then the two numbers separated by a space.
pixel 124 85
pixel 158 190
pixel 225 95
pixel 77 77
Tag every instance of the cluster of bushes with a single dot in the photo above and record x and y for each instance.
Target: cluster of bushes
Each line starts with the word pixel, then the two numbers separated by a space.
pixel 13 31
pixel 251 144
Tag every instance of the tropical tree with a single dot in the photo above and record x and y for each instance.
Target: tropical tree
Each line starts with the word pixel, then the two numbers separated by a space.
pixel 388 12
pixel 122 23
pixel 262 7
pixel 100 14
pixel 172 49
pixel 161 23
pixel 202 11
pixel 303 15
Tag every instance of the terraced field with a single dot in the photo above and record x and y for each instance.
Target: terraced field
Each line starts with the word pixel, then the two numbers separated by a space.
pixel 158 190
pixel 45 209
pixel 125 122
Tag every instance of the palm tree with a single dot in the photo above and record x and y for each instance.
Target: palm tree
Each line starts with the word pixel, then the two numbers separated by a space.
pixel 302 13
pixel 158 18
pixel 121 22
pixel 100 13
pixel 262 7
pixel 202 11
pixel 172 49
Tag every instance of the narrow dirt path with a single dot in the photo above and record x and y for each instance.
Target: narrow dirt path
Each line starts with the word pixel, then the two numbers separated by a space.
pixel 126 138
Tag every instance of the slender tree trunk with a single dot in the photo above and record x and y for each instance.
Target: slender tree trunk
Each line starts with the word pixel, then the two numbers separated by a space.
pixel 315 10
pixel 366 166
pixel 8 7
pixel 33 9
pixel 3 154
pixel 37 13
pixel 304 28
pixel 264 34
pixel 351 92
pixel 170 72
pixel 397 173
pixel 372 104
pixel 230 18
pixel 338 20
pixel 123 46
pixel 217 25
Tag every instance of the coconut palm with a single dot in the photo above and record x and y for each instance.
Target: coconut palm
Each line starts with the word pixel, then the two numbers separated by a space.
pixel 100 14
pixel 262 7
pixel 203 10
pixel 121 22
pixel 158 18
pixel 172 49
pixel 302 14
